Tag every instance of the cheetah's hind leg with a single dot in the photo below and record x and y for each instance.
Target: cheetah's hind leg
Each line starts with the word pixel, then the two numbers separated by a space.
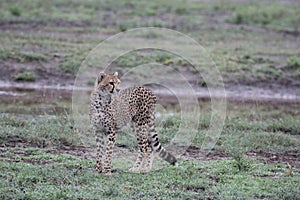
pixel 150 153
pixel 141 134
pixel 149 160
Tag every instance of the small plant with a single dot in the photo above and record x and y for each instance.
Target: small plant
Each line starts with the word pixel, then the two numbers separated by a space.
pixel 150 12
pixel 239 160
pixel 181 11
pixel 293 62
pixel 163 58
pixel 122 27
pixel 15 11
pixel 247 57
pixel 71 64
pixel 25 76
pixel 4 54
pixel 238 19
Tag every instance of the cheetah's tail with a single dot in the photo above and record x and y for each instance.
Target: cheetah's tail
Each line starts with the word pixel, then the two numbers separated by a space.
pixel 158 148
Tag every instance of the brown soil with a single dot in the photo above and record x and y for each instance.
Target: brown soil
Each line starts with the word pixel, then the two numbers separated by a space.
pixel 45 73
pixel 192 153
pixel 290 157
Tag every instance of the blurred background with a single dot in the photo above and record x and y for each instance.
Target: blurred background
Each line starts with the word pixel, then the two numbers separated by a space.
pixel 254 44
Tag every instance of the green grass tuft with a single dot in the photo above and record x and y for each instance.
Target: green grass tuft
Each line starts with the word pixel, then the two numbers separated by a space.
pixel 275 15
pixel 15 10
pixel 25 76
pixel 71 64
pixel 21 56
pixel 293 62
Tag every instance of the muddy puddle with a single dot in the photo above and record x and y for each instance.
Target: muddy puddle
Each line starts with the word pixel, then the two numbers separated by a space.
pixel 52 100
pixel 35 100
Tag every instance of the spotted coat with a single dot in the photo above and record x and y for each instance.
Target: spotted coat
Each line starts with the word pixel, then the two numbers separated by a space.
pixel 110 110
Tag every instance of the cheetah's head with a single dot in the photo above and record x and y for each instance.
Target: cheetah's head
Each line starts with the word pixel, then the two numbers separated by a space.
pixel 107 83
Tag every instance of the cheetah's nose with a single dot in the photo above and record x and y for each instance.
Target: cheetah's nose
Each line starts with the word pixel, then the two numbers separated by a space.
pixel 117 89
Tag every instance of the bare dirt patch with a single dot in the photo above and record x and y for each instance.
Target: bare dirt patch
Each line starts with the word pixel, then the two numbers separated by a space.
pixel 290 157
pixel 192 153
pixel 46 74
pixel 195 153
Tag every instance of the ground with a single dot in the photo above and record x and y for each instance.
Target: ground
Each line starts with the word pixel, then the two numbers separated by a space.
pixel 255 46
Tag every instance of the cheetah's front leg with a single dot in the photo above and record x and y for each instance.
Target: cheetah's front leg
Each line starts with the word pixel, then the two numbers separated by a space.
pixel 100 140
pixel 108 154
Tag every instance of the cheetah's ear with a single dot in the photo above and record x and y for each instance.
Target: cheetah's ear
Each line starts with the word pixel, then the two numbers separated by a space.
pixel 100 77
pixel 116 74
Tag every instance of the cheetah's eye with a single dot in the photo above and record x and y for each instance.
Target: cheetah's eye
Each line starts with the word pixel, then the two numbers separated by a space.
pixel 111 83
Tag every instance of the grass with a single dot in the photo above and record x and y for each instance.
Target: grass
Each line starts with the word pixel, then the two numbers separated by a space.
pixel 21 56
pixel 25 76
pixel 251 43
pixel 278 131
pixel 275 15
pixel 71 64
pixel 34 173
pixel 15 11
pixel 42 169
pixel 293 62
pixel 134 59
pixel 41 132
pixel 61 35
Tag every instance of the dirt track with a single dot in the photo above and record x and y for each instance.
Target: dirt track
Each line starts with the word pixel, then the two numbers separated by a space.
pixel 290 157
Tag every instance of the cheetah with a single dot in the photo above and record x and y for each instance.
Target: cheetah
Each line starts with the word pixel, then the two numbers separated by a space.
pixel 111 109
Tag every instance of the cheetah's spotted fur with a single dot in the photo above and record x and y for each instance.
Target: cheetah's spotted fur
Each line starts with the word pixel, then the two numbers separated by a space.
pixel 110 110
